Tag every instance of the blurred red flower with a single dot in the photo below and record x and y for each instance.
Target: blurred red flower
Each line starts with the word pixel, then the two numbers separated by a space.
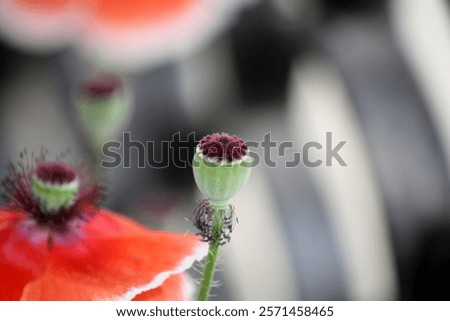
pixel 117 34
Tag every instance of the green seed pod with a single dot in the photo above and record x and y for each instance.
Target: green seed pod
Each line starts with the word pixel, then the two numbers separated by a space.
pixel 221 167
pixel 55 186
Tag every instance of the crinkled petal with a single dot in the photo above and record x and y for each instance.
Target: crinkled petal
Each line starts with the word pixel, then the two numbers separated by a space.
pixel 21 259
pixel 178 287
pixel 113 258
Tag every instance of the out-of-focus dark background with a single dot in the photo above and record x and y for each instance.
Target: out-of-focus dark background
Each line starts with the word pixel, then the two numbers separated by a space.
pixel 375 74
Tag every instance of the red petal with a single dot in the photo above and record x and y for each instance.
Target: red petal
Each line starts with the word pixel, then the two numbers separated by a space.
pixel 176 288
pixel 21 260
pixel 120 13
pixel 115 259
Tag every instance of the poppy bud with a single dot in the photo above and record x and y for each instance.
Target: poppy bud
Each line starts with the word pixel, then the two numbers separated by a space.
pixel 221 169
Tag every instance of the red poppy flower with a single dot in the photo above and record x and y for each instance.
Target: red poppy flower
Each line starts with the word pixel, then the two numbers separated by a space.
pixel 118 33
pixel 57 244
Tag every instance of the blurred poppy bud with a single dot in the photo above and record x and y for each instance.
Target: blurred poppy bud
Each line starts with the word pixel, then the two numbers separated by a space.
pixel 103 108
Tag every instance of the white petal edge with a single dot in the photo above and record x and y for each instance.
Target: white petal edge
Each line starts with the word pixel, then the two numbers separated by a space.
pixel 188 289
pixel 37 30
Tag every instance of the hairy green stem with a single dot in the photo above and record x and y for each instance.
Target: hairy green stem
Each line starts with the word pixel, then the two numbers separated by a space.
pixel 211 261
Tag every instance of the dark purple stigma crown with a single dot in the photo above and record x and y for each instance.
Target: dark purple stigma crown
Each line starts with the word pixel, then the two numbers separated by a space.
pixel 223 146
pixel 101 86
pixel 55 173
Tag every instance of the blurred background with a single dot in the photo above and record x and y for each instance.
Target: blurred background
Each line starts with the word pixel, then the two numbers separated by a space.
pixel 374 73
